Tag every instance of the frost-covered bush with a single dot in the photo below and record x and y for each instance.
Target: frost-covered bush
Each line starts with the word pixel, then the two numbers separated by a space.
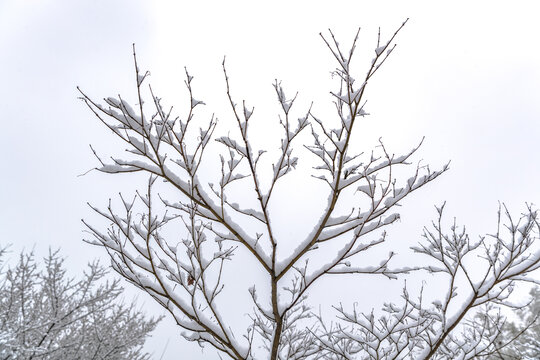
pixel 196 239
pixel 45 314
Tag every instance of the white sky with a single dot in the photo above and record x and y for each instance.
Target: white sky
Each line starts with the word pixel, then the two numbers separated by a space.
pixel 465 74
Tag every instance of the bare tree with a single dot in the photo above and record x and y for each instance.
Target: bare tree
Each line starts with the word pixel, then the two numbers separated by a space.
pixel 234 213
pixel 46 315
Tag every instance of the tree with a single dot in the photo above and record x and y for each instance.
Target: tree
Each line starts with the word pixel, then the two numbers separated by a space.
pixel 521 339
pixel 46 315
pixel 230 213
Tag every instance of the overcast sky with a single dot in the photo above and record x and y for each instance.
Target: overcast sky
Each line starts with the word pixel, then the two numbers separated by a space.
pixel 465 74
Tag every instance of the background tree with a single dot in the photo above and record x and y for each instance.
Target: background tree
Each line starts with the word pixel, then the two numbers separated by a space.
pixel 522 337
pixel 234 211
pixel 44 314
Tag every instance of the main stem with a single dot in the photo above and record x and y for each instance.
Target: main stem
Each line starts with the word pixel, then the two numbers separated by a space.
pixel 278 318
